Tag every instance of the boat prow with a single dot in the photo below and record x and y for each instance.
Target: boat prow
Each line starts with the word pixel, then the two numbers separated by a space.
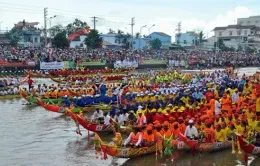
pixel 50 107
pixel 23 93
pixel 248 147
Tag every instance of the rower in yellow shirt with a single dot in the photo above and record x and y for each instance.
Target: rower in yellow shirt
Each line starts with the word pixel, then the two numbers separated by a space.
pixel 220 135
pixel 239 128
pixel 185 99
pixel 152 98
pixel 252 123
pixel 226 130
pixel 138 98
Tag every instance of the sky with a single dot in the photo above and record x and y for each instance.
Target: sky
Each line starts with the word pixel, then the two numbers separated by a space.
pixel 195 15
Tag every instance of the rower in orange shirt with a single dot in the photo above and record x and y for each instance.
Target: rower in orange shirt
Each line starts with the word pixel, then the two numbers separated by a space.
pixel 175 130
pixel 166 132
pixel 225 103
pixel 209 133
pixel 254 91
pixel 182 126
pixel 149 138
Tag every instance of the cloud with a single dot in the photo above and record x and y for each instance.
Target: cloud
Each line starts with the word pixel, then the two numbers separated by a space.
pixel 230 17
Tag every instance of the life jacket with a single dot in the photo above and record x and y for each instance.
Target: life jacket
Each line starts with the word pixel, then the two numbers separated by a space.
pixel 54 94
pixel 149 138
pixel 166 134
pixel 182 128
pixel 47 94
pixel 135 137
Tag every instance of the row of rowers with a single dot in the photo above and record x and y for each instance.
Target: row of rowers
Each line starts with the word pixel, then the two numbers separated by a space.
pixel 209 130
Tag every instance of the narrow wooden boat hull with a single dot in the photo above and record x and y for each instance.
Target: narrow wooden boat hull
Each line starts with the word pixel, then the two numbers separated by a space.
pixel 97 127
pixel 122 152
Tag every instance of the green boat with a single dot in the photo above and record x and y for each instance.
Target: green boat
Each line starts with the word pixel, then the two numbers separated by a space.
pixel 34 100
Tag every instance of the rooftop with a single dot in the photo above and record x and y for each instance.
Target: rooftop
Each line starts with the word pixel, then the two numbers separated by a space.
pixel 235 27
pixel 162 34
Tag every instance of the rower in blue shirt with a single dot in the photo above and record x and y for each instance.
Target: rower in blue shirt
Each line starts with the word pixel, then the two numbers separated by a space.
pixel 75 101
pixel 80 102
pixel 106 99
pixel 97 99
pixel 67 101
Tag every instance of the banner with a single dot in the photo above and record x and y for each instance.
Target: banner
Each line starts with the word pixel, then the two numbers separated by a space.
pixel 51 65
pixel 69 64
pixel 30 63
pixel 125 64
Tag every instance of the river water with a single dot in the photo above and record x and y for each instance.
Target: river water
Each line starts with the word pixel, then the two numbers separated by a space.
pixel 32 136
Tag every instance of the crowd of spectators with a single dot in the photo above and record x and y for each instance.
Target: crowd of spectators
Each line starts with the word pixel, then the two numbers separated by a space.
pixel 193 58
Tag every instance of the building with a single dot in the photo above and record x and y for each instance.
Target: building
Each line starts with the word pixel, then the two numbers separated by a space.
pixel 252 20
pixel 187 39
pixel 4 40
pixel 163 37
pixel 141 43
pixel 111 41
pixel 78 42
pixel 30 34
pixel 235 35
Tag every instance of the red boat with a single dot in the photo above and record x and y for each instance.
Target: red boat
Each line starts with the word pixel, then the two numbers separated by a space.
pixel 96 127
pixel 248 148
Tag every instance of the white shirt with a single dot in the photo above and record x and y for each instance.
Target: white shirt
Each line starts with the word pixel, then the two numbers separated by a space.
pixel 119 118
pixel 217 107
pixel 125 117
pixel 129 139
pixel 107 120
pixel 191 132
pixel 97 115
pixel 235 97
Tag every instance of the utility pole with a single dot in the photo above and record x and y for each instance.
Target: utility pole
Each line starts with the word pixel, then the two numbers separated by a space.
pixel 45 25
pixel 179 31
pixel 132 29
pixel 94 21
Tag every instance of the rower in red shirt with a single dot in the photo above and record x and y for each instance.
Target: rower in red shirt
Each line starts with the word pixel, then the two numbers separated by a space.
pixel 30 82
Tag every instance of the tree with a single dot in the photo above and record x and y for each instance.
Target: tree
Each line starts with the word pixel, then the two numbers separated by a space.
pixel 14 36
pixel 221 45
pixel 56 29
pixel 76 25
pixel 239 48
pixel 156 44
pixel 137 35
pixel 201 37
pixel 111 30
pixel 60 40
pixel 93 40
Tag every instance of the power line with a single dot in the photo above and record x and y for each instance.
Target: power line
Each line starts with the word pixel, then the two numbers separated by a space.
pixel 21 5
pixel 20 11
pixel 21 8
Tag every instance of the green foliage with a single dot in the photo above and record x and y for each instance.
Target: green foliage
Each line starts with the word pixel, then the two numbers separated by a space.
pixel 60 40
pixel 76 25
pixel 14 36
pixel 240 48
pixel 123 39
pixel 156 44
pixel 201 37
pixel 137 35
pixel 56 29
pixel 250 50
pixel 93 40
